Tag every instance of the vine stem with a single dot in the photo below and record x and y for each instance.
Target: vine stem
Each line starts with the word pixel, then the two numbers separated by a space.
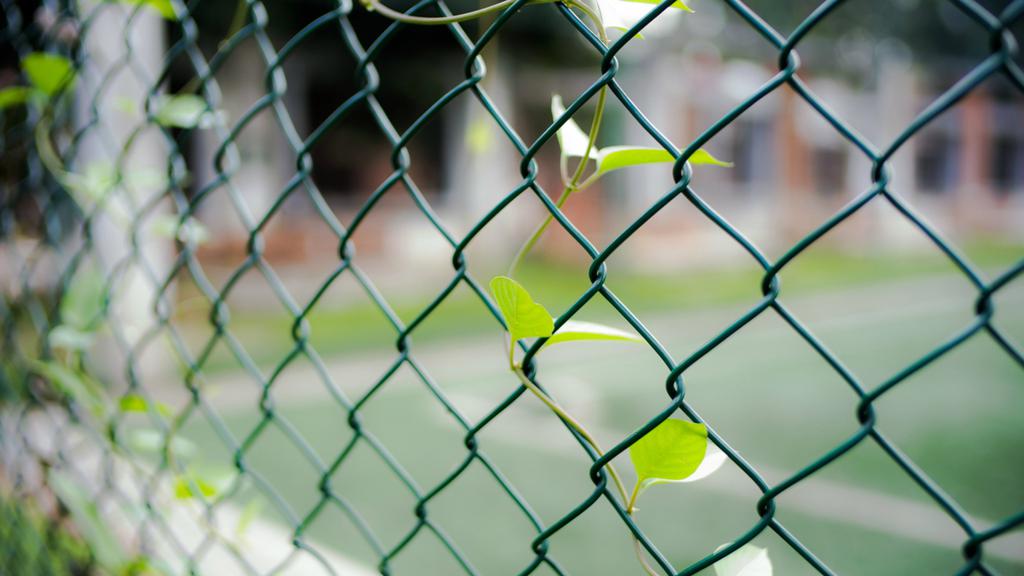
pixel 573 185
pixel 575 425
pixel 377 6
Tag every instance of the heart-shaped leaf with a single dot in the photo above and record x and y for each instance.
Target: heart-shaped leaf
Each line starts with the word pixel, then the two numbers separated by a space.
pixel 48 73
pixel 524 317
pixel 670 452
pixel 746 561
pixel 577 330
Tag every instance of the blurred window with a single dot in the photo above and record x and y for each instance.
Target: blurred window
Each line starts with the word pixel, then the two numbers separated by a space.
pixel 1008 164
pixel 829 168
pixel 937 163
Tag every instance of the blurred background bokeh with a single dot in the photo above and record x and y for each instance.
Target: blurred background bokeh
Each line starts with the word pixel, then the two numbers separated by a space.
pixel 876 290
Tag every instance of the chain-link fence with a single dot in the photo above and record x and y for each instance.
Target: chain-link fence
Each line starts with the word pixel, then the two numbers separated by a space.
pixel 101 253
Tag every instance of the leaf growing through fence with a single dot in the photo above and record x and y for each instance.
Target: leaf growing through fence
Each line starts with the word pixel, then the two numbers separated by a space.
pixel 524 317
pixel 746 561
pixel 615 157
pixel 182 111
pixel 670 452
pixel 84 300
pixel 48 73
pixel 572 140
pixel 573 330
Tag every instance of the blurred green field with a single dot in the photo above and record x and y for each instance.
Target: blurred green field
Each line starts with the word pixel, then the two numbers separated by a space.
pixel 357 324
pixel 764 390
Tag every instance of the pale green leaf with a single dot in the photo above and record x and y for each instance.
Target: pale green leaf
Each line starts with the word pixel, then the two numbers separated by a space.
pixel 746 561
pixel 163 7
pixel 77 386
pixel 250 513
pixel 524 317
pixel 677 4
pixel 103 544
pixel 185 488
pixel 66 337
pixel 571 139
pixel 702 156
pixel 152 441
pixel 574 330
pixel 671 451
pixel 14 96
pixel 94 184
pixel 208 484
pixel 136 403
pixel 84 300
pixel 616 157
pixel 182 111
pixel 145 180
pixel 49 73
pixel 191 232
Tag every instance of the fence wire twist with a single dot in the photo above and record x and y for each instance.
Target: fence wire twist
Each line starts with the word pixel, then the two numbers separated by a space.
pixel 64 241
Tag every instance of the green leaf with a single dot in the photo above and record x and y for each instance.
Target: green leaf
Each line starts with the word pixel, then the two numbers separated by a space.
pixel 49 73
pixel 746 561
pixel 77 386
pixel 571 139
pixel 250 513
pixel 677 4
pixel 615 157
pixel 84 300
pixel 152 441
pixel 102 543
pixel 574 330
pixel 193 488
pixel 194 485
pixel 136 403
pixel 670 452
pixel 702 156
pixel 65 337
pixel 182 111
pixel 94 184
pixel 524 317
pixel 163 7
pixel 14 96
pixel 191 232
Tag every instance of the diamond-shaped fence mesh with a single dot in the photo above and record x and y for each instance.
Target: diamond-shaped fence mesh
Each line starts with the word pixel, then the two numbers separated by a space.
pixel 105 367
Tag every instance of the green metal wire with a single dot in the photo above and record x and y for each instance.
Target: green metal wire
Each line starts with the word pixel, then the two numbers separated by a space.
pixel 68 233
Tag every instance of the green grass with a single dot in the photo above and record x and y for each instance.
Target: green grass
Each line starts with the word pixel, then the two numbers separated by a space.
pixel 764 390
pixel 350 329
